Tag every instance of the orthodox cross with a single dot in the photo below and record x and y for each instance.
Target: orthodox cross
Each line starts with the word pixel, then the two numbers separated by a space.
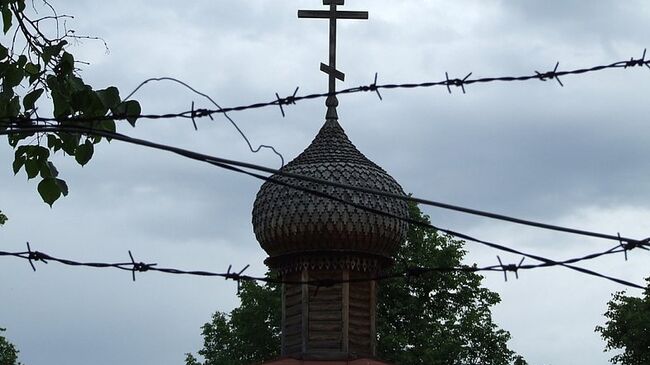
pixel 333 15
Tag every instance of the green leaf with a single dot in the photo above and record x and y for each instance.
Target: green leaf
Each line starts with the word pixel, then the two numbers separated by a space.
pixel 61 104
pixel 13 76
pixel 49 190
pixel 32 167
pixel 6 19
pixel 110 97
pixel 49 170
pixel 22 61
pixel 69 142
pixel 84 152
pixel 130 110
pixel 19 162
pixel 53 169
pixel 52 51
pixel 4 52
pixel 30 99
pixel 63 187
pixel 66 65
pixel 53 142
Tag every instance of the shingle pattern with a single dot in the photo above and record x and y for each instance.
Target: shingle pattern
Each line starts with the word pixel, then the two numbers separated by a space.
pixel 287 221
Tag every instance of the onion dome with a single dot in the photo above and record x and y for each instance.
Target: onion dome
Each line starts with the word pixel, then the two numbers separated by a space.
pixel 299 229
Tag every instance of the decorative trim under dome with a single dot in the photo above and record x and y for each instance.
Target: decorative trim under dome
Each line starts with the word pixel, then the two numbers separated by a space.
pixel 328 260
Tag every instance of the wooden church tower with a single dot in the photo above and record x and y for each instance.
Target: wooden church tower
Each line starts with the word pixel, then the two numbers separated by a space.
pixel 312 238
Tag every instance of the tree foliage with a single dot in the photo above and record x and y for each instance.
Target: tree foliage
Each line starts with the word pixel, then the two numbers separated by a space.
pixel 36 62
pixel 8 352
pixel 628 328
pixel 441 318
pixel 3 218
pixel 249 334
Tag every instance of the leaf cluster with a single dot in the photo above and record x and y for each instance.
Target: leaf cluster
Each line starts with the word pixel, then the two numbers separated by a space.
pixel 628 328
pixel 250 334
pixel 437 318
pixel 8 352
pixel 45 67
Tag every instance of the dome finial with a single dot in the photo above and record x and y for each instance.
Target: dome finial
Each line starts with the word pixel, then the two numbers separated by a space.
pixel 332 102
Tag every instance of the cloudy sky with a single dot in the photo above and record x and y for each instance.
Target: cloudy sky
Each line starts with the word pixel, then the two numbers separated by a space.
pixel 574 156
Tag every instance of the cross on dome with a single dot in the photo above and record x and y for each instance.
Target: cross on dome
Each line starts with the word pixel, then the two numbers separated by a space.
pixel 333 14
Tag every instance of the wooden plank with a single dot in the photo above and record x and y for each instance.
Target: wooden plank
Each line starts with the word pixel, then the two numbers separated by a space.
pixel 283 321
pixel 346 310
pixel 360 331
pixel 363 305
pixel 304 276
pixel 293 321
pixel 293 350
pixel 359 294
pixel 323 326
pixel 324 336
pixel 326 316
pixel 317 292
pixel 293 339
pixel 325 306
pixel 373 317
pixel 325 345
pixel 293 310
pixel 360 320
pixel 293 329
pixel 292 289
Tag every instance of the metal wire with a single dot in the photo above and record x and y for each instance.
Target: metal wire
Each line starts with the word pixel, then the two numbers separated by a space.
pixel 134 266
pixel 374 87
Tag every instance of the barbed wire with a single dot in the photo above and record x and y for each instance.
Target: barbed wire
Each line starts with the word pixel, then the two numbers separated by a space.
pixel 134 266
pixel 235 165
pixel 626 244
pixel 374 87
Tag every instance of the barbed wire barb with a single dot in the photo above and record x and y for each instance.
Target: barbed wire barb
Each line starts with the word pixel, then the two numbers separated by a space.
pixel 289 100
pixel 139 266
pixel 550 75
pixel 638 62
pixel 196 128
pixel 456 82
pixel 236 276
pixel 512 268
pixel 34 256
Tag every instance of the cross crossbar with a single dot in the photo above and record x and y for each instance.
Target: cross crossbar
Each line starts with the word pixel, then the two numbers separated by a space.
pixel 326 14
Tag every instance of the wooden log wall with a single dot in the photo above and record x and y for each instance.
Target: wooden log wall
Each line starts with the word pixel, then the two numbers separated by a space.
pixel 336 320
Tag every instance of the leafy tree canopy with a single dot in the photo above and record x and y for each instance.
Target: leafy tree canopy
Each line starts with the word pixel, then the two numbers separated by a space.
pixel 628 328
pixel 35 61
pixel 438 318
pixel 8 352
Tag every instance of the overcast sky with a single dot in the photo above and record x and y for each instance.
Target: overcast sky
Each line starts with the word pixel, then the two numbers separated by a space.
pixel 576 156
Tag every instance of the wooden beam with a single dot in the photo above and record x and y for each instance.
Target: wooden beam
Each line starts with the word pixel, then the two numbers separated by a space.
pixel 346 311
pixel 326 14
pixel 305 310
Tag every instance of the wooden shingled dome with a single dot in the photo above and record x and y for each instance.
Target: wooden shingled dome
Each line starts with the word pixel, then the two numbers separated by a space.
pixel 298 229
